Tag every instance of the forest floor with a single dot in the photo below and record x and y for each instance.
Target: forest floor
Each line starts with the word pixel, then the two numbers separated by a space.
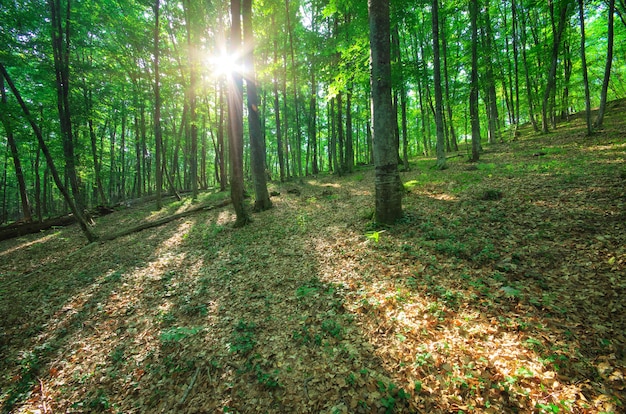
pixel 501 291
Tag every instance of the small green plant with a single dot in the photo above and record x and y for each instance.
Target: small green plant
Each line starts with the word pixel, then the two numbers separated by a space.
pixel 409 185
pixel 117 355
pixel 374 235
pixel 306 290
pixel 423 358
pixel 178 333
pixel 332 328
pixel 242 339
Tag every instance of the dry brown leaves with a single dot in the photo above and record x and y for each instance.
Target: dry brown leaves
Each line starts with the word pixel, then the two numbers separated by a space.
pixel 507 305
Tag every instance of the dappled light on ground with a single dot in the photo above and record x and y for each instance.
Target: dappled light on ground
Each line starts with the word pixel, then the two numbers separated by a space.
pixel 500 291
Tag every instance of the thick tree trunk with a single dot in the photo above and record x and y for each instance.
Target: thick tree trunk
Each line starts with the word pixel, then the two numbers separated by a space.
pixel 387 182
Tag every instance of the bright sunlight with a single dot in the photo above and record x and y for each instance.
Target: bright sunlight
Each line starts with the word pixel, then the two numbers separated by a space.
pixel 225 64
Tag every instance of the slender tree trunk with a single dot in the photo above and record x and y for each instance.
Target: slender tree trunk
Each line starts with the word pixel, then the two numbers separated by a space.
pixel 341 166
pixel 551 82
pixel 583 60
pixel 190 14
pixel 516 118
pixel 78 213
pixel 349 158
pixel 493 119
pixel 444 49
pixel 158 137
pixel 441 134
pixel 21 182
pixel 387 182
pixel 607 67
pixel 473 104
pixel 529 88
pixel 223 178
pixel 235 114
pixel 313 124
pixel 298 152
pixel 61 54
pixel 257 146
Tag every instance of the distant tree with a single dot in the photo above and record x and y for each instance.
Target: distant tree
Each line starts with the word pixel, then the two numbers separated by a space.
pixel 387 182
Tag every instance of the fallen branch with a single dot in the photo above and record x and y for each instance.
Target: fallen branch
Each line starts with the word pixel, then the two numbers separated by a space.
pixel 22 229
pixel 165 220
pixel 191 384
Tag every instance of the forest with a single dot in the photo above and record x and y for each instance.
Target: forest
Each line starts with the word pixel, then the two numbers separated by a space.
pixel 312 206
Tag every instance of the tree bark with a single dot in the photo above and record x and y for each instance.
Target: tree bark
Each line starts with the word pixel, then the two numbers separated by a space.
pixel 61 54
pixel 583 61
pixel 158 133
pixel 441 134
pixel 387 182
pixel 607 67
pixel 91 237
pixel 473 104
pixel 262 200
pixel 235 112
pixel 551 82
pixel 21 182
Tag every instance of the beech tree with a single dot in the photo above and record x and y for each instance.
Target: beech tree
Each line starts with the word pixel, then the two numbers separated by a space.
pixel 387 182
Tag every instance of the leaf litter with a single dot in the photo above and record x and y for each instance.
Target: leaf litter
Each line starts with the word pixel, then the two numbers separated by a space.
pixel 473 303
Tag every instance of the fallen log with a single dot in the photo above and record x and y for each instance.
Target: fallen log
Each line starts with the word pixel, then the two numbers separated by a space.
pixel 164 220
pixel 22 229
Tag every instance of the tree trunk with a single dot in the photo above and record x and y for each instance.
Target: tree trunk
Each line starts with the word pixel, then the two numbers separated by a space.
pixel 583 60
pixel 387 182
pixel 158 137
pixel 493 120
pixel 21 182
pixel 441 134
pixel 235 114
pixel 473 104
pixel 298 151
pixel 551 82
pixel 446 75
pixel 529 89
pixel 61 54
pixel 349 157
pixel 257 146
pixel 190 14
pixel 91 237
pixel 607 67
